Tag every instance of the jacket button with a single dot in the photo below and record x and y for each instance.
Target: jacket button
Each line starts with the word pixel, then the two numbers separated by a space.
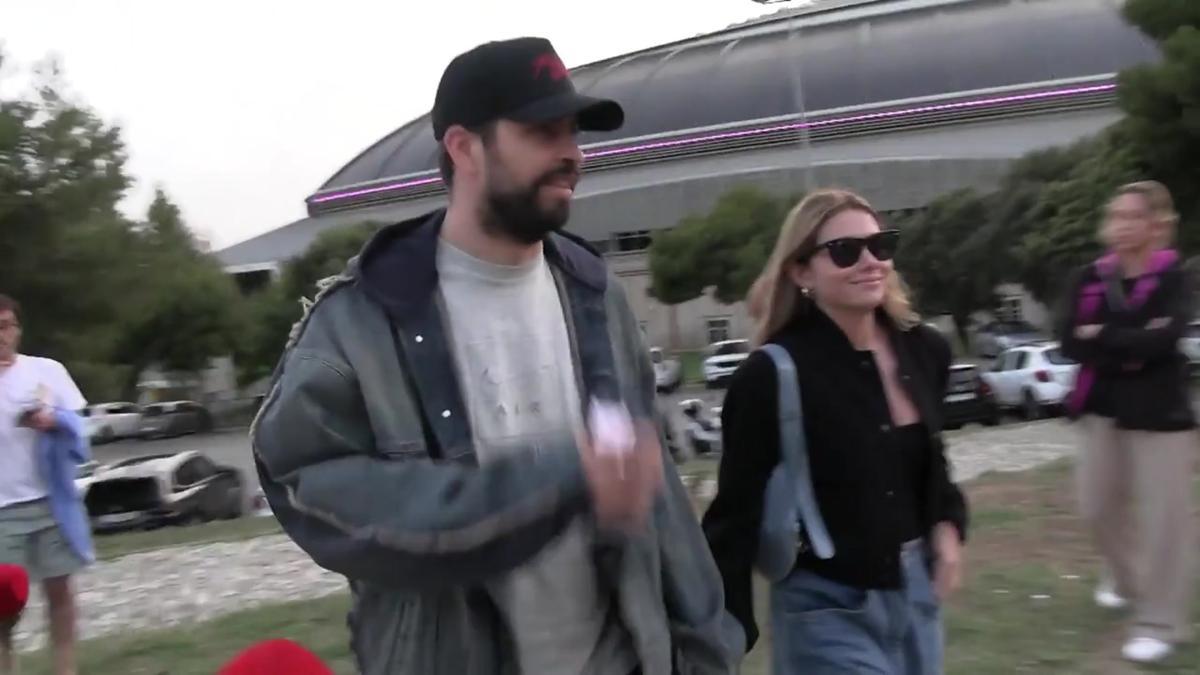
pixel 419 339
pixel 885 427
pixel 445 414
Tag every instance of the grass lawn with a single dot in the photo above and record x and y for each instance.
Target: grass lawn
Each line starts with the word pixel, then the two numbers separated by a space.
pixel 113 546
pixel 200 649
pixel 1026 607
pixel 692 365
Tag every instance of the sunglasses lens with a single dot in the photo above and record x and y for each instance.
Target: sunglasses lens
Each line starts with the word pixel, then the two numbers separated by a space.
pixel 845 252
pixel 883 245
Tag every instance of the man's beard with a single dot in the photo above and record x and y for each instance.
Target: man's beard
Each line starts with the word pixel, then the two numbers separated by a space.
pixel 516 213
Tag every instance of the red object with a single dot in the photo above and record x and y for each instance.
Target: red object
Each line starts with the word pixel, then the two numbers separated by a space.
pixel 275 657
pixel 14 591
pixel 549 64
pixel 1042 376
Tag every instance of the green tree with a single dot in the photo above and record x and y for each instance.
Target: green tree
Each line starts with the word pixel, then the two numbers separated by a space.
pixel 1069 212
pixel 164 227
pixel 190 320
pixel 102 294
pixel 187 312
pixel 1162 104
pixel 723 250
pixel 61 177
pixel 275 310
pixel 949 266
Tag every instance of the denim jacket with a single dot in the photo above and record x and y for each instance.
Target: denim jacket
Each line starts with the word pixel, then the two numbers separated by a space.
pixel 365 453
pixel 60 451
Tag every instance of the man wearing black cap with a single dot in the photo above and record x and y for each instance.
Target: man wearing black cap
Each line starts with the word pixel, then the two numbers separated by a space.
pixel 425 434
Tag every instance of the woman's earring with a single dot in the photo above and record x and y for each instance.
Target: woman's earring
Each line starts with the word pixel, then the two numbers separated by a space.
pixel 806 291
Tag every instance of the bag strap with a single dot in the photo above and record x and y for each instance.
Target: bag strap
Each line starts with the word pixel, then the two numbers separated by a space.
pixel 793 448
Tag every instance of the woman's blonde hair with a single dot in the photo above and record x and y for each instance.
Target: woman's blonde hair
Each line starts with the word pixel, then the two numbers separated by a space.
pixel 774 299
pixel 1162 206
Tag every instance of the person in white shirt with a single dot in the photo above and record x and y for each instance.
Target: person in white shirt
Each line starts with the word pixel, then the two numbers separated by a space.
pixel 30 389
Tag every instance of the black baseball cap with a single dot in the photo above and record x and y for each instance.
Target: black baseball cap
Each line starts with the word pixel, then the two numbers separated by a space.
pixel 522 80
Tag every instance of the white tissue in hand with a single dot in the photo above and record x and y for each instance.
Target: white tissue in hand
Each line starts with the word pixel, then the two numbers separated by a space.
pixel 611 426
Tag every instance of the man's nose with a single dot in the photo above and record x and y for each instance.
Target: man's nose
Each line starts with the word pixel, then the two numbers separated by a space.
pixel 572 152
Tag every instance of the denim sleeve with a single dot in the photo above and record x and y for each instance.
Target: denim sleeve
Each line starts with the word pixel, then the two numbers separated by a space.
pixel 409 523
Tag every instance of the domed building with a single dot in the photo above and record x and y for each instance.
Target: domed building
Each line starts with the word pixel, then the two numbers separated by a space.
pixel 901 100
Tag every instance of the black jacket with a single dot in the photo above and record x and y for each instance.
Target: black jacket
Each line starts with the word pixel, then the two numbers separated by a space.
pixel 1141 378
pixel 848 427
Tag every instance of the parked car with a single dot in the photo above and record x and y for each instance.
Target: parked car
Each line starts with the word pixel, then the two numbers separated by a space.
pixel 668 372
pixel 996 337
pixel 157 490
pixel 175 418
pixel 968 398
pixel 1033 379
pixel 106 422
pixel 702 430
pixel 723 359
pixel 1190 346
pixel 670 432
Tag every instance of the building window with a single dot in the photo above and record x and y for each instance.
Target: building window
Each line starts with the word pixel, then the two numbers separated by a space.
pixel 602 246
pixel 718 328
pixel 1009 309
pixel 252 281
pixel 632 241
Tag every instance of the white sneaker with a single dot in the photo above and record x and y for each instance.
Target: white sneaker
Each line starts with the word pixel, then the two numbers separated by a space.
pixel 1146 650
pixel 1107 598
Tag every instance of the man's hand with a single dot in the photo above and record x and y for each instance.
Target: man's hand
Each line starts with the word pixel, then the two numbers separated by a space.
pixel 947 547
pixel 1088 332
pixel 39 419
pixel 624 485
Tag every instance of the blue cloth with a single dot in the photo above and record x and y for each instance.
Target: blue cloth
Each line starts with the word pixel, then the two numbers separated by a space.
pixel 821 627
pixel 60 451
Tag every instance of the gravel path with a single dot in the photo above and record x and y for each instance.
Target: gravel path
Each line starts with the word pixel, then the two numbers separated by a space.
pixel 171 586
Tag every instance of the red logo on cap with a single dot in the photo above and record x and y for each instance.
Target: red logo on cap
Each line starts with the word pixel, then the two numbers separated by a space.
pixel 549 64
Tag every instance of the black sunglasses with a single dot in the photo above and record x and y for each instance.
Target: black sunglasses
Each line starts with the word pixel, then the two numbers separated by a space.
pixel 845 251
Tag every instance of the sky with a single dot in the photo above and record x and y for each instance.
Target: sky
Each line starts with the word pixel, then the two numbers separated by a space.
pixel 239 110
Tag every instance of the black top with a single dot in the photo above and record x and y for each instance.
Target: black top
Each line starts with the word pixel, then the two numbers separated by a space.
pixel 1141 378
pixel 855 455
pixel 910 456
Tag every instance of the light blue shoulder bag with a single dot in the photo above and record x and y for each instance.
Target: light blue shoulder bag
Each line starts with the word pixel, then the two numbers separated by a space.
pixel 789 503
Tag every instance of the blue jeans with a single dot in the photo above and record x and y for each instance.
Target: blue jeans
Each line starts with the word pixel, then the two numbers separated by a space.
pixel 821 627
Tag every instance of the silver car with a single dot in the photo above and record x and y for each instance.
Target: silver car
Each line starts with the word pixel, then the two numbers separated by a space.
pixel 668 372
pixel 996 337
pixel 1189 344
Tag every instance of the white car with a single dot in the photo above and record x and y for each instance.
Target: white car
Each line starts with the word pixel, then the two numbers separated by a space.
pixel 724 358
pixel 106 422
pixel 668 372
pixel 1190 345
pixel 155 490
pixel 1032 378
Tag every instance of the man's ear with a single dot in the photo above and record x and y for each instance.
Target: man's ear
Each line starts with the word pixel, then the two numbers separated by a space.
pixel 461 145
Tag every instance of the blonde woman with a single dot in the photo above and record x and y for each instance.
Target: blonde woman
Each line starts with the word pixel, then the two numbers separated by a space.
pixel 1125 315
pixel 872 378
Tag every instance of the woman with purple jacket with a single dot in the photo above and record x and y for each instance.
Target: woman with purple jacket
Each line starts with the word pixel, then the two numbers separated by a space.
pixel 1124 317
